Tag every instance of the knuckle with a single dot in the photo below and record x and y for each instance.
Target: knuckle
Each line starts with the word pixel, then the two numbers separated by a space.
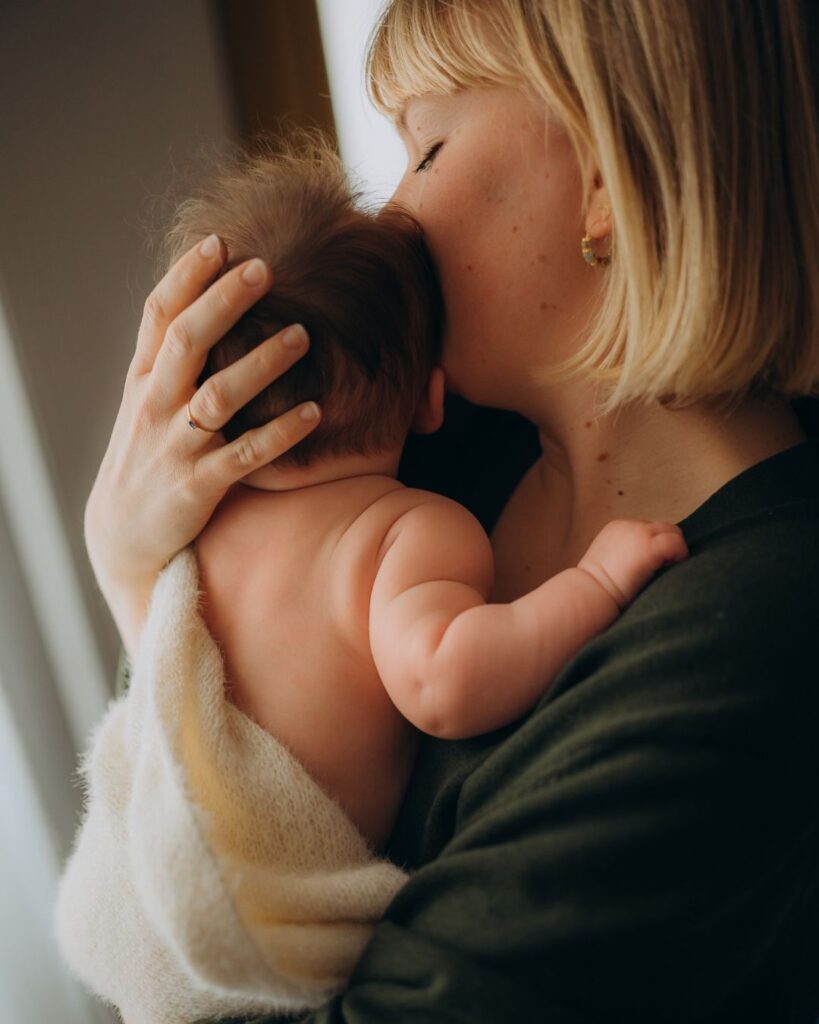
pixel 153 310
pixel 284 432
pixel 225 296
pixel 189 492
pixel 212 400
pixel 267 357
pixel 246 452
pixel 189 488
pixel 145 419
pixel 178 340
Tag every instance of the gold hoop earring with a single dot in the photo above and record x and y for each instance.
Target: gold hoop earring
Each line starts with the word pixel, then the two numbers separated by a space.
pixel 588 254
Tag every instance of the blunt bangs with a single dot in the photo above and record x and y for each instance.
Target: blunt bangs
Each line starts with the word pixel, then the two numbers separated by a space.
pixel 438 46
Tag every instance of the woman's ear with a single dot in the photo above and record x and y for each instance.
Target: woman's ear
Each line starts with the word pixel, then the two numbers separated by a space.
pixel 598 220
pixel 598 217
pixel 430 412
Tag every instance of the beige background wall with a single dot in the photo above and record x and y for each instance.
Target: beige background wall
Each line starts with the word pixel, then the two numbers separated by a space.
pixel 99 100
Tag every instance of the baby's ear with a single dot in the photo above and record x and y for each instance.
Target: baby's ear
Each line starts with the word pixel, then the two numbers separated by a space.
pixel 429 414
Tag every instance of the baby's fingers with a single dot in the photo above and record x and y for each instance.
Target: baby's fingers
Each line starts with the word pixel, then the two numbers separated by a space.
pixel 668 542
pixel 184 282
pixel 219 469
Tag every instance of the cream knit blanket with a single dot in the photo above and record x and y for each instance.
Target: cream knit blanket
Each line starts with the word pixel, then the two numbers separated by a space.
pixel 210 876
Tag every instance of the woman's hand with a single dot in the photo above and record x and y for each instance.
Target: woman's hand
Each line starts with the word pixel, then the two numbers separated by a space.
pixel 160 481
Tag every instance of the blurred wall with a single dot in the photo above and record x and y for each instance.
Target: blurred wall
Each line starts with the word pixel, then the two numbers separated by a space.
pixel 275 62
pixel 370 146
pixel 100 100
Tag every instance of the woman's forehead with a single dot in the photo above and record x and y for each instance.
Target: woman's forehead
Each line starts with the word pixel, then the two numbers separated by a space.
pixel 416 106
pixel 439 105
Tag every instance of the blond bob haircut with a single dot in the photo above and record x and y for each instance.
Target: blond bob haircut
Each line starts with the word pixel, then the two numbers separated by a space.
pixel 701 118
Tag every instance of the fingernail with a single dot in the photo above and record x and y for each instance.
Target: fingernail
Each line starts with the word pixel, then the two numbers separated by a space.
pixel 295 336
pixel 254 272
pixel 210 247
pixel 309 411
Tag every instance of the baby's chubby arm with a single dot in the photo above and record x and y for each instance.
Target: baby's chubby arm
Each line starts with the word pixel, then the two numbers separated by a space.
pixel 456 666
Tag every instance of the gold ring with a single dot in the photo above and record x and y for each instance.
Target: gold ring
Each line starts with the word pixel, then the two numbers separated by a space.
pixel 193 423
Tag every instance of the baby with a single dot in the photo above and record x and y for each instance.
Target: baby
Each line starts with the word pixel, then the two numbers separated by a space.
pixel 238 795
pixel 354 612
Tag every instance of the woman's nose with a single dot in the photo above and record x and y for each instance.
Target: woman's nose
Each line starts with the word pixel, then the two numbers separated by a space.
pixel 403 193
pixel 397 192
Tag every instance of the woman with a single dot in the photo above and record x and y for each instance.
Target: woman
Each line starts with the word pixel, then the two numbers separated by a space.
pixel 624 192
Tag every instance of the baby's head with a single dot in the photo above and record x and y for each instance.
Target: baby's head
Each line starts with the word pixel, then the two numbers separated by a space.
pixel 362 284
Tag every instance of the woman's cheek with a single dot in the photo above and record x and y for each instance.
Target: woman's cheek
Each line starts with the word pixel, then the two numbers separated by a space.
pixel 471 324
pixel 468 247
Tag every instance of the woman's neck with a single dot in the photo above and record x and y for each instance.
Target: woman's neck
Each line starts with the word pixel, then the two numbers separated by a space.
pixel 649 462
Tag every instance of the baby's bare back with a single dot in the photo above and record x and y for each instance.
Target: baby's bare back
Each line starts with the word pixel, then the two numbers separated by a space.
pixel 287 578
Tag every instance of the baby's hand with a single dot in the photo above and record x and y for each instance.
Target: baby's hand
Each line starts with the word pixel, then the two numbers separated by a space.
pixel 627 552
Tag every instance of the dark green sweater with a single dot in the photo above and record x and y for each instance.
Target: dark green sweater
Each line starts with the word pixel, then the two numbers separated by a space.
pixel 644 845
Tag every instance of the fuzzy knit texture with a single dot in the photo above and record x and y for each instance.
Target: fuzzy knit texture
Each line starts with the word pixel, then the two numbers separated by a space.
pixel 210 875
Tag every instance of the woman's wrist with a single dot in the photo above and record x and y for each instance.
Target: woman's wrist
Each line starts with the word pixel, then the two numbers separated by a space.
pixel 128 604
pixel 127 592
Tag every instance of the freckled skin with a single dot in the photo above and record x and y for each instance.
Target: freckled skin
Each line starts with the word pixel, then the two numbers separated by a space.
pixel 487 179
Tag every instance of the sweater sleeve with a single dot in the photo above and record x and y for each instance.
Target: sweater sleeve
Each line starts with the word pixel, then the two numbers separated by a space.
pixel 640 849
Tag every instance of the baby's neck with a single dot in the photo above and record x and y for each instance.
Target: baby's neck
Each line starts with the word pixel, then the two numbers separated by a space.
pixel 346 467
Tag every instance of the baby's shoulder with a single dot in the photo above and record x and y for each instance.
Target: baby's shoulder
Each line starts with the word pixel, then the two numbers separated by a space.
pixel 424 519
pixel 395 510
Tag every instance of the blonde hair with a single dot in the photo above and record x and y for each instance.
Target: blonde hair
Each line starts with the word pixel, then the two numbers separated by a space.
pixel 363 285
pixel 702 120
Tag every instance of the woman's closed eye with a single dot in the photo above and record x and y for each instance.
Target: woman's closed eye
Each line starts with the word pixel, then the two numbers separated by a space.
pixel 428 157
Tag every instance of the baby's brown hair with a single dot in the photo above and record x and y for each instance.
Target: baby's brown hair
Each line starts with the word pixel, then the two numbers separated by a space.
pixel 363 285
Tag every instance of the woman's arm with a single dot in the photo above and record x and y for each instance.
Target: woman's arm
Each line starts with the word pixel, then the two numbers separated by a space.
pixel 160 481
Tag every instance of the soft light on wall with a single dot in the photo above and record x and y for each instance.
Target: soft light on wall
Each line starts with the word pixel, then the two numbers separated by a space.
pixel 370 146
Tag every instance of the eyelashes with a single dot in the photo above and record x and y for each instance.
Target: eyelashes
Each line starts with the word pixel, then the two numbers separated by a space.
pixel 428 157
